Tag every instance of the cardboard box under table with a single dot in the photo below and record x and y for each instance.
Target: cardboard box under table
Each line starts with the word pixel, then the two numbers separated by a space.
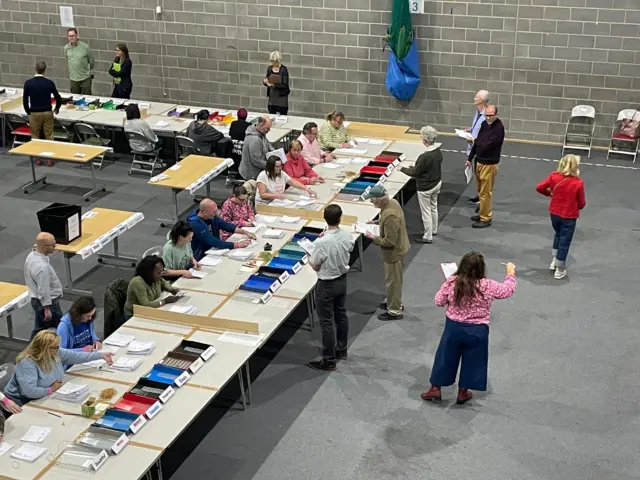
pixel 12 296
pixel 60 151
pixel 191 173
pixel 100 226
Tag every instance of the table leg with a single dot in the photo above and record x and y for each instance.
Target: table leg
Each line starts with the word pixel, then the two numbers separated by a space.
pixel 208 187
pixel 3 122
pixel 310 311
pixel 95 188
pixel 69 280
pixel 246 365
pixel 244 398
pixel 164 222
pixel 116 259
pixel 159 465
pixel 402 197
pixel 10 327
pixel 361 252
pixel 36 181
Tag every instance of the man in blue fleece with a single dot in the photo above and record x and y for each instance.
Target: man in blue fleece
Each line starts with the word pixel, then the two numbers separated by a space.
pixel 206 226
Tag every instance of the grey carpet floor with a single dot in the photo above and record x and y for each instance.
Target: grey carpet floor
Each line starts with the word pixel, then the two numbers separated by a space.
pixel 563 392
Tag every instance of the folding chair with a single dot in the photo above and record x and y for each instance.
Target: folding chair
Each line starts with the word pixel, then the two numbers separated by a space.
pixel 20 129
pixel 140 160
pixel 186 147
pixel 61 133
pixel 89 136
pixel 580 128
pixel 624 144
pixel 233 175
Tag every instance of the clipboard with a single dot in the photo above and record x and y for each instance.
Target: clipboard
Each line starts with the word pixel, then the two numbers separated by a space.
pixel 274 79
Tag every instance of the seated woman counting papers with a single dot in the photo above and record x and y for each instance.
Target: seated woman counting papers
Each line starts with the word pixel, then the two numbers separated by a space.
pixel 177 254
pixel 237 210
pixel 207 225
pixel 147 285
pixel 333 133
pixel 40 367
pixel 272 182
pixel 76 328
pixel 204 135
pixel 136 125
pixel 298 168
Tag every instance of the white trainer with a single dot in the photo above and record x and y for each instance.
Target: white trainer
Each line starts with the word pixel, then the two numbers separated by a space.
pixel 553 264
pixel 560 273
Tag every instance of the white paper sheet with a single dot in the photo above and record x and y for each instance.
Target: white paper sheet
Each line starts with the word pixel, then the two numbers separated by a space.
pixel 367 227
pixel 331 165
pixel 119 340
pixel 198 273
pixel 375 141
pixel 278 153
pixel 354 151
pixel 216 252
pixel 28 452
pixel 360 161
pixel 462 134
pixel 208 261
pixel 241 338
pixel 36 434
pixel 343 161
pixel 468 174
pixel 161 124
pixel 4 448
pixel 266 218
pixel 282 203
pixel 286 219
pixel 448 269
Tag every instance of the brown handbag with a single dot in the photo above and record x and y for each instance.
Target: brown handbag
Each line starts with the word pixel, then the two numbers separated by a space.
pixel 629 126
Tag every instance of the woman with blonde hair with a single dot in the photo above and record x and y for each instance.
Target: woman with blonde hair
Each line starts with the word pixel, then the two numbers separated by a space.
pixel 333 133
pixel 40 367
pixel 566 189
pixel 468 295
pixel 277 82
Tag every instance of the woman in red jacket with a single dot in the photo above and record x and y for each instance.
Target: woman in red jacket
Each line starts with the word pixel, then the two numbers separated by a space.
pixel 566 189
pixel 298 168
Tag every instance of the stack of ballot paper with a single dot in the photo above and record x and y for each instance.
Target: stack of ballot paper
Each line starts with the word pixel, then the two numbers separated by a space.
pixel 253 229
pixel 375 141
pixel 360 160
pixel 266 219
pixel 273 233
pixel 343 161
pixel 461 133
pixel 282 203
pixel 28 453
pixel 94 363
pixel 331 165
pixel 197 273
pixel 367 228
pixel 72 392
pixel 119 340
pixel 36 434
pixel 4 448
pixel 187 309
pixel 242 254
pixel 307 245
pixel 159 177
pixel 286 219
pixel 217 252
pixel 141 348
pixel 126 363
pixel 207 261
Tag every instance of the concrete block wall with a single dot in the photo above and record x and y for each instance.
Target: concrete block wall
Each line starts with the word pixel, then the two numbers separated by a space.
pixel 539 58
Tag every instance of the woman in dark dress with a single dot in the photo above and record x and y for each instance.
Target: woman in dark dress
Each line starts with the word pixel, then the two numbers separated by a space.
pixel 277 82
pixel 121 72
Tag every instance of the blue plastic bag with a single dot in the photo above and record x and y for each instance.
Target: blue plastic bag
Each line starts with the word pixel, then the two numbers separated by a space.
pixel 403 76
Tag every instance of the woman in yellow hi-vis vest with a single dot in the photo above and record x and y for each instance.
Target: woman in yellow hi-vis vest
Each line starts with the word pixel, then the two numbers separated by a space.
pixel 121 72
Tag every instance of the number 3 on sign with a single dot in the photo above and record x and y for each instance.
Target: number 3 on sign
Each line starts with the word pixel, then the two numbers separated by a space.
pixel 416 6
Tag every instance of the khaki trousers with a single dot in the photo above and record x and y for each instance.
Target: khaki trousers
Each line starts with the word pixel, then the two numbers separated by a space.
pixel 428 202
pixel 485 180
pixel 393 284
pixel 40 120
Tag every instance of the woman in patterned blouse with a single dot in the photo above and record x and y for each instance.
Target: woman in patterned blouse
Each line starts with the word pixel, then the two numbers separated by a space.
pixel 237 210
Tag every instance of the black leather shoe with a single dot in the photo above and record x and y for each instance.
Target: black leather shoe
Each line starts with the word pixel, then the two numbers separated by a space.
pixel 474 200
pixel 322 365
pixel 386 316
pixel 341 354
pixel 477 209
pixel 383 306
pixel 480 224
pixel 475 218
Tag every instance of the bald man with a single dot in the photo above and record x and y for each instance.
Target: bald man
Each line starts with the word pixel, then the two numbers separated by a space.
pixel 44 285
pixel 255 148
pixel 206 224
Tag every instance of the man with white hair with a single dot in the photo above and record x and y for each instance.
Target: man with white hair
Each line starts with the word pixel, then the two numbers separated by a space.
pixel 481 100
pixel 428 174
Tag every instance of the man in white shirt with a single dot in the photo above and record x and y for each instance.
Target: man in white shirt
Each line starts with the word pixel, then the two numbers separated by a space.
pixel 330 259
pixel 43 283
pixel 481 100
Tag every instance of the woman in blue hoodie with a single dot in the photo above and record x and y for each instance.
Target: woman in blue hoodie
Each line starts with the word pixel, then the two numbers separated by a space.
pixel 76 328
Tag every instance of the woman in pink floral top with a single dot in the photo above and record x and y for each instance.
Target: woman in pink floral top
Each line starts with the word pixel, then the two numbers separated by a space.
pixel 237 210
pixel 468 295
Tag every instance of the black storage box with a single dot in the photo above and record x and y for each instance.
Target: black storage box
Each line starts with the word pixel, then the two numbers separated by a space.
pixel 62 221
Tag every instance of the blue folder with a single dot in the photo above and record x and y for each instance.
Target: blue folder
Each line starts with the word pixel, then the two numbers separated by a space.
pixel 116 420
pixel 163 374
pixel 284 263
pixel 257 284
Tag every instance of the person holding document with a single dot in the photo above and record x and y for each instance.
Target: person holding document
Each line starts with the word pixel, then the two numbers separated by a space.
pixel 277 82
pixel 468 295
pixel 272 182
pixel 298 168
pixel 77 328
pixel 330 259
pixel 41 366
pixel 177 254
pixel 121 72
pixel 566 189
pixel 481 100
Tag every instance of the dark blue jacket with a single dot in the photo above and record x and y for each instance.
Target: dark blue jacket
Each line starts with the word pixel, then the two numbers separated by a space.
pixel 206 234
pixel 36 96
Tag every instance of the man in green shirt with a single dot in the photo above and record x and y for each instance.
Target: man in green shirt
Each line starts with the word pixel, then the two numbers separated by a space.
pixel 80 61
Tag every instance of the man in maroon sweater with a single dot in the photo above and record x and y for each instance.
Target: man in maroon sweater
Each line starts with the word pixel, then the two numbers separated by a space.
pixel 486 150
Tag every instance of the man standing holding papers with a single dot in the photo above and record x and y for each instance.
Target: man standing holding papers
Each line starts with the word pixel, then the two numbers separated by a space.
pixel 330 259
pixel 481 100
pixel 486 151
pixel 394 244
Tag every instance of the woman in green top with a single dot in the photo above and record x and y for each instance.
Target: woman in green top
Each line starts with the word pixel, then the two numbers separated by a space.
pixel 177 254
pixel 147 285
pixel 333 133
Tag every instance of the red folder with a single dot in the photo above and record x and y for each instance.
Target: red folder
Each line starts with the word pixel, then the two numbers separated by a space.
pixel 133 403
pixel 377 170
pixel 384 159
